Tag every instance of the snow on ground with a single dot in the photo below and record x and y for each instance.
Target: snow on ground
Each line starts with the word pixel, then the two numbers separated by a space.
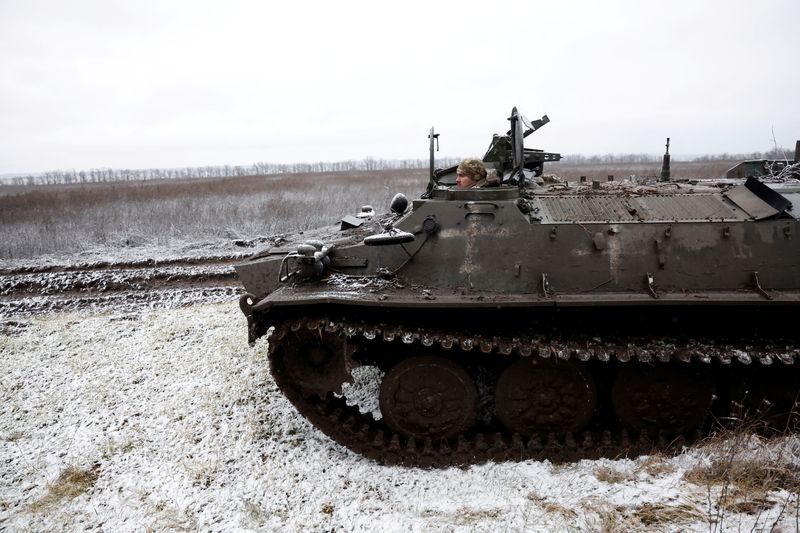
pixel 172 250
pixel 162 420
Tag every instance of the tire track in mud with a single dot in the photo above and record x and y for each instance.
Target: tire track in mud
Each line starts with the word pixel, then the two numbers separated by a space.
pixel 117 285
pixel 142 263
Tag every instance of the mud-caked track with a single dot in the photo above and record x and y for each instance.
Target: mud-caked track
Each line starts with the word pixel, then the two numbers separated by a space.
pixel 465 398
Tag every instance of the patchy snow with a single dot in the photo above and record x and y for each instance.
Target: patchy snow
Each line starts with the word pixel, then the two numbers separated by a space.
pixel 123 283
pixel 177 425
pixel 120 302
pixel 104 280
pixel 174 250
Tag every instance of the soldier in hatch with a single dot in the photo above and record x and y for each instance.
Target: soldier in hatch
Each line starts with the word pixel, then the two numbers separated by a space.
pixel 471 174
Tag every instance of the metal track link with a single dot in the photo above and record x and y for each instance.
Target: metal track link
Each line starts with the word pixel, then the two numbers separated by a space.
pixel 373 439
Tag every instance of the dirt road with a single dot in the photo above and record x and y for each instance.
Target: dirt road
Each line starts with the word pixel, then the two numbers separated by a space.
pixel 121 285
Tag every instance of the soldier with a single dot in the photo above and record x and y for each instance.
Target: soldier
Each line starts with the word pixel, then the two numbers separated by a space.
pixel 471 174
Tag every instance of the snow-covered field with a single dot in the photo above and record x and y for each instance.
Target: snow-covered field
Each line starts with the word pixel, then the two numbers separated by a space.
pixel 159 420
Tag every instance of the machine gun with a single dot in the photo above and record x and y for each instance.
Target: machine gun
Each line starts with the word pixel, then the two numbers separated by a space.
pixel 506 155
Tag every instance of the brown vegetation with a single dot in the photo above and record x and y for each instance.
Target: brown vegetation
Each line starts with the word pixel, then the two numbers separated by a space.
pixel 71 483
pixel 65 219
pixel 609 475
pixel 656 514
pixel 745 473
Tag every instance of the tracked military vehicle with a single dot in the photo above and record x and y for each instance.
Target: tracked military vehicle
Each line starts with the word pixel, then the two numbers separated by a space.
pixel 537 319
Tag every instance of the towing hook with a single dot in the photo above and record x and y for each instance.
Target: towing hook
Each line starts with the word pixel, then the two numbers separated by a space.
pixel 246 303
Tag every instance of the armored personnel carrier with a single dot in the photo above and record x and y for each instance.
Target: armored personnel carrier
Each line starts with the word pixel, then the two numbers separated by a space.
pixel 537 318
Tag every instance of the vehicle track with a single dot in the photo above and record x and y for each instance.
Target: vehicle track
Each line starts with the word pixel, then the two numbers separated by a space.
pixel 311 358
pixel 131 264
pixel 29 290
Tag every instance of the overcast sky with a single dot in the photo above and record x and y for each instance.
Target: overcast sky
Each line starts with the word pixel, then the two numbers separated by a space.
pixel 138 84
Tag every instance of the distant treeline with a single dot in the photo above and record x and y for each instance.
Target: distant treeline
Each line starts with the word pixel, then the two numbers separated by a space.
pixel 103 175
pixel 614 159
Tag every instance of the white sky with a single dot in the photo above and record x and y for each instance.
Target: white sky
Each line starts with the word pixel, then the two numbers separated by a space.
pixel 137 84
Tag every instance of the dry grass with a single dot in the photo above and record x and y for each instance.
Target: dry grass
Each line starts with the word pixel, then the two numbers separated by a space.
pixel 741 472
pixel 653 465
pixel 552 507
pixel 71 218
pixel 749 463
pixel 656 465
pixel 743 502
pixel 609 475
pixel 612 521
pixel 746 473
pixel 758 475
pixel 71 483
pixel 566 512
pixel 645 517
pixel 658 514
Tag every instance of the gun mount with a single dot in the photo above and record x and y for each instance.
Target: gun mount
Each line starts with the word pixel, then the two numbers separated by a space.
pixel 506 156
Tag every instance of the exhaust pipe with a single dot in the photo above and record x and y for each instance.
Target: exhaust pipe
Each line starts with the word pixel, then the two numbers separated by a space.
pixel 665 174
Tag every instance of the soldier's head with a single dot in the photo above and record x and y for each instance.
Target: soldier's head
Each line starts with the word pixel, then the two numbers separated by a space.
pixel 470 172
